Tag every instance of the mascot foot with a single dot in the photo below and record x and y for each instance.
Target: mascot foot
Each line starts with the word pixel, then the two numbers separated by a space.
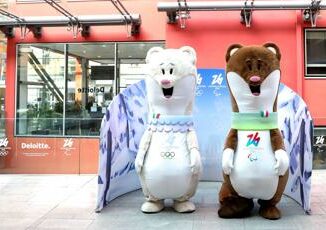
pixel 235 207
pixel 184 207
pixel 270 212
pixel 152 206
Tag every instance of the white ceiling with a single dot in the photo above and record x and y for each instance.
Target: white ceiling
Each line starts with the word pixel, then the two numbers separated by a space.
pixel 98 51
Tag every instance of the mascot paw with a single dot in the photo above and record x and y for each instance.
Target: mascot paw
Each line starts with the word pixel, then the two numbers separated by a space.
pixel 282 162
pixel 195 162
pixel 227 160
pixel 152 206
pixel 270 212
pixel 184 207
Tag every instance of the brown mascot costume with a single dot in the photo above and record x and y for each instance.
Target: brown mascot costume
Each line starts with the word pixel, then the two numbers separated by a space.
pixel 254 161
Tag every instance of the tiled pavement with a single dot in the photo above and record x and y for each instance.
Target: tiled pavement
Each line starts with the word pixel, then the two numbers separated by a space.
pixel 68 202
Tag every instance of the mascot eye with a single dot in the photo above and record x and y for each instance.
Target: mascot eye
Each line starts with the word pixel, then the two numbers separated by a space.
pixel 249 65
pixel 259 64
pixel 171 71
pixel 163 71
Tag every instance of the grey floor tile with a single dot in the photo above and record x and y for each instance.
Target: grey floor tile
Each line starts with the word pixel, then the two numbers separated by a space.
pixel 64 224
pixel 68 202
pixel 16 223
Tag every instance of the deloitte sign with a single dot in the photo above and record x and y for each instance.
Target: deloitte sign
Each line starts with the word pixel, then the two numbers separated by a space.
pixel 91 90
pixel 34 146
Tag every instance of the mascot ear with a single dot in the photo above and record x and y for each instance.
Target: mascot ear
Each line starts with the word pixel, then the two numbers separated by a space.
pixel 190 53
pixel 274 48
pixel 231 50
pixel 152 52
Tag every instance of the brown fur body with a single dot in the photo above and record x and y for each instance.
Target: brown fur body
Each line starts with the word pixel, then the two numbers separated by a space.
pixel 250 61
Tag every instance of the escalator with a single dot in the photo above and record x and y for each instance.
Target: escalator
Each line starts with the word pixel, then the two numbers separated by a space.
pixel 46 78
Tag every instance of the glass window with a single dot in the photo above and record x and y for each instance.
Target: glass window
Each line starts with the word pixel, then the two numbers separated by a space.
pixel 90 82
pixel 65 89
pixel 315 53
pixel 40 78
pixel 131 62
pixel 319 148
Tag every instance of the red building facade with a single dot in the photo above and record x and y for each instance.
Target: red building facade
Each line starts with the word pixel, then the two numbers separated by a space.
pixel 71 150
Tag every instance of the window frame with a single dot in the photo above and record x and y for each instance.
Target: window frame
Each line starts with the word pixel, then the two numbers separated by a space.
pixel 65 44
pixel 306 75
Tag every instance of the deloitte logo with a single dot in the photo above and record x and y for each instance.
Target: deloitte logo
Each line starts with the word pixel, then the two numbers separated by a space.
pixel 4 149
pixel 34 146
pixel 91 90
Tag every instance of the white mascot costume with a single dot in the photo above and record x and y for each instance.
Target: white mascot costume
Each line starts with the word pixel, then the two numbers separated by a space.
pixel 168 160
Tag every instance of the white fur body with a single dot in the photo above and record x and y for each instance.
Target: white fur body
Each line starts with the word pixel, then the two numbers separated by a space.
pixel 167 172
pixel 253 174
pixel 161 175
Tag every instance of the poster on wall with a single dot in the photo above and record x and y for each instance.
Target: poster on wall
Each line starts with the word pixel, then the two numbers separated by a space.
pixel 5 150
pixel 44 155
pixel 124 123
pixel 29 147
pixel 319 147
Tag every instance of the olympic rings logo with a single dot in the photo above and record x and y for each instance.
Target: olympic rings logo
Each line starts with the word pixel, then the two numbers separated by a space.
pixel 167 155
pixel 3 152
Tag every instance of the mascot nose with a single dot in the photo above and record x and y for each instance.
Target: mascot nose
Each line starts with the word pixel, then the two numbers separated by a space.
pixel 165 82
pixel 254 79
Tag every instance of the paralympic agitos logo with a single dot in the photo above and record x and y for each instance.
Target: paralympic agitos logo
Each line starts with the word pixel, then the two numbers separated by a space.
pixel 253 139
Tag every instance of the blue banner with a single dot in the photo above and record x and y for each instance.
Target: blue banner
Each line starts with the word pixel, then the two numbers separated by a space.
pixel 126 118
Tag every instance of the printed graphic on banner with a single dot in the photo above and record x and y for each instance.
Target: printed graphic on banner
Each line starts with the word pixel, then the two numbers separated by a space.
pixel 211 104
pixel 4 148
pixel 319 140
pixel 68 146
pixel 34 149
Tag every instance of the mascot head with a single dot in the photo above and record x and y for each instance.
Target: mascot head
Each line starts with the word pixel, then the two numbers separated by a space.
pixel 253 75
pixel 171 80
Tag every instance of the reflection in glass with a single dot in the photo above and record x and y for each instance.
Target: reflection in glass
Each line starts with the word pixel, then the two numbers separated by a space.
pixel 131 61
pixel 40 89
pixel 90 82
pixel 316 53
pixel 65 89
